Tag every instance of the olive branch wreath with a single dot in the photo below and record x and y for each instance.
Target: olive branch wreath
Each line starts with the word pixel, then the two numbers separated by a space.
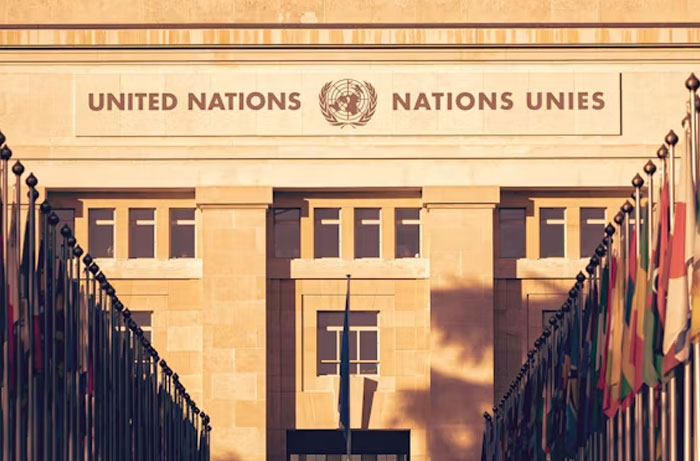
pixel 333 120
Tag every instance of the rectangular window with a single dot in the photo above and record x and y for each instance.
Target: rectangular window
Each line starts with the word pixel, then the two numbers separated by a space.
pixel 327 232
pixel 592 230
pixel 66 217
pixel 287 230
pixel 408 232
pixel 101 232
pixel 363 342
pixel 367 232
pixel 552 232
pixel 142 232
pixel 182 237
pixel 143 319
pixel 511 231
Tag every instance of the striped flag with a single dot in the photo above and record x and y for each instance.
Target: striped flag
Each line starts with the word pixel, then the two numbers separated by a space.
pixel 639 306
pixel 675 342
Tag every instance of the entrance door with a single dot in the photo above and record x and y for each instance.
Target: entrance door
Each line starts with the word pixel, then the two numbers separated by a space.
pixel 329 445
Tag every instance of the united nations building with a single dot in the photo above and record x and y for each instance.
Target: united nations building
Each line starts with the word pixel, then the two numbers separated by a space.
pixel 228 164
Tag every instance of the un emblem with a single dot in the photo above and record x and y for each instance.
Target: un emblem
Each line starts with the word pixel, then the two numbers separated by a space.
pixel 348 102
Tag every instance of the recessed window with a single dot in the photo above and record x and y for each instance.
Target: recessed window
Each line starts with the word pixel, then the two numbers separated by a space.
pixel 363 342
pixel 182 237
pixel 143 319
pixel 552 232
pixel 511 231
pixel 367 232
pixel 408 232
pixel 142 232
pixel 287 230
pixel 327 232
pixel 592 230
pixel 66 217
pixel 101 232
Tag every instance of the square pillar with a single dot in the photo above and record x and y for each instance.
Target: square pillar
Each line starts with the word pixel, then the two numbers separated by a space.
pixel 459 237
pixel 233 222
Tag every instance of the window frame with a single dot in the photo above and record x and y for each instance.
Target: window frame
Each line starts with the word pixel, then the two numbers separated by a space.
pixel 274 232
pixel 114 232
pixel 338 345
pixel 339 223
pixel 564 230
pixel 153 222
pixel 378 223
pixel 419 223
pixel 170 232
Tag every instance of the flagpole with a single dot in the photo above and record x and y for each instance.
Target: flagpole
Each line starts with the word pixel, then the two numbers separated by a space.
pixel 650 169
pixel 5 154
pixel 31 182
pixel 18 169
pixel 638 182
pixel 692 84
pixel 348 440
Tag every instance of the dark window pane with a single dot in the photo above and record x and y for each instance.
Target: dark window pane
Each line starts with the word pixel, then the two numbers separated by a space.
pixel 142 318
pixel 182 237
pixel 66 217
pixel 367 230
pixel 368 345
pixel 592 229
pixel 101 232
pixel 511 232
pixel 353 345
pixel 287 232
pixel 141 232
pixel 369 368
pixel 407 232
pixel 327 232
pixel 552 231
pixel 327 347
pixel 363 319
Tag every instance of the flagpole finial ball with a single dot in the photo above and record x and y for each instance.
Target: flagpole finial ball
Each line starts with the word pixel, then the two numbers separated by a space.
pixel 692 82
pixel 609 230
pixel 94 269
pixel 5 153
pixel 53 219
pixel 590 269
pixel 110 290
pixel 600 250
pixel 65 231
pixel 671 138
pixel 650 168
pixel 77 251
pixel 126 314
pixel 580 277
pixel 18 168
pixel 45 207
pixel 176 377
pixel 139 331
pixel 627 207
pixel 2 138
pixel 163 364
pixel 31 180
pixel 595 260
pixel 547 332
pixel 573 293
pixel 662 152
pixel 637 181
pixel 100 277
pixel 71 241
pixel 87 259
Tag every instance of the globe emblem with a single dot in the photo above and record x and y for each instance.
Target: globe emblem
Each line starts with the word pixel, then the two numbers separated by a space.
pixel 348 102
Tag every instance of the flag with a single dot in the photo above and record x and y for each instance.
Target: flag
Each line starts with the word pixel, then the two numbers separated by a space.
pixel 675 339
pixel 614 340
pixel 639 304
pixel 344 394
pixel 628 372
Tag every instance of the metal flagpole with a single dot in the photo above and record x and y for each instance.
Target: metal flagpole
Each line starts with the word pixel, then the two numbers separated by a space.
pixel 31 300
pixel 638 182
pixel 671 139
pixel 18 169
pixel 692 84
pixel 662 389
pixel 627 210
pixel 650 169
pixel 8 438
pixel 686 372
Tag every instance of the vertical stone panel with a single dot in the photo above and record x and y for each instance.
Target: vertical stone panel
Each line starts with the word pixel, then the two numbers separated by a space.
pixel 234 228
pixel 459 226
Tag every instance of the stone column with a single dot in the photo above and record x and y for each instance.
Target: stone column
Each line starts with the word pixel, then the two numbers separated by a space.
pixel 459 242
pixel 233 235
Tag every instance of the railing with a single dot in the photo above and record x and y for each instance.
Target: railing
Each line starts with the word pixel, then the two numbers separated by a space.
pixel 80 381
pixel 614 375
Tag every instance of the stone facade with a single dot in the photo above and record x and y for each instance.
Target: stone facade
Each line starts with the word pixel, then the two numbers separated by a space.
pixel 238 324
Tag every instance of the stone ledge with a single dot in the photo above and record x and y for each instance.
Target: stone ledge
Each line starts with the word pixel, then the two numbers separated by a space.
pixel 418 268
pixel 156 269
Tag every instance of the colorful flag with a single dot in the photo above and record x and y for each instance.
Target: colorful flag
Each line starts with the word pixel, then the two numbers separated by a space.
pixel 639 304
pixel 628 371
pixel 675 342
